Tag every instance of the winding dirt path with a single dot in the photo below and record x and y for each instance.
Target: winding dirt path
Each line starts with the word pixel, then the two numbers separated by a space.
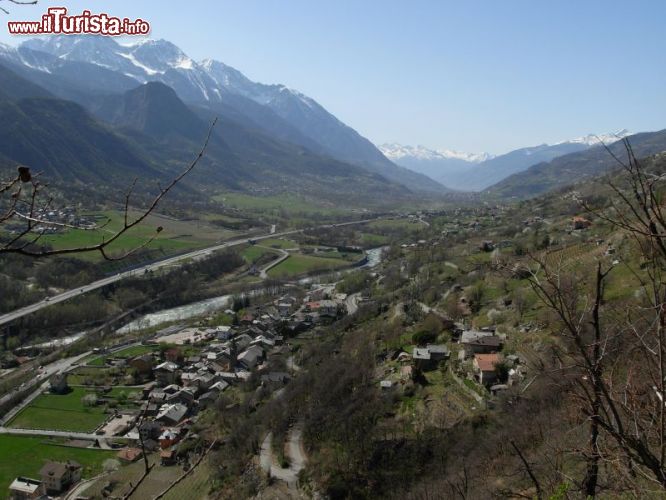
pixel 294 452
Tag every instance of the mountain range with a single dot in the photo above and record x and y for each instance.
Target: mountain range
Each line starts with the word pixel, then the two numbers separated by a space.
pixel 86 69
pixel 150 133
pixel 576 167
pixel 90 110
pixel 478 171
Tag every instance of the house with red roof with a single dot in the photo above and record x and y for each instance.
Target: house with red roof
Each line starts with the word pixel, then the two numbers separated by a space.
pixel 484 367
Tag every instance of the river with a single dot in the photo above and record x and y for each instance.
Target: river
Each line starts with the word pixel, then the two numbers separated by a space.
pixel 209 306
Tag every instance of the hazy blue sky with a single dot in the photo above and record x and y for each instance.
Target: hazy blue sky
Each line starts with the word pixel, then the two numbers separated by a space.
pixel 468 75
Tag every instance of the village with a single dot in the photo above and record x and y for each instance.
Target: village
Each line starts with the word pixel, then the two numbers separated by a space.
pixel 175 375
pixel 51 220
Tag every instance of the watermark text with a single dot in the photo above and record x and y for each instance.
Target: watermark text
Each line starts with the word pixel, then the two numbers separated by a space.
pixel 56 21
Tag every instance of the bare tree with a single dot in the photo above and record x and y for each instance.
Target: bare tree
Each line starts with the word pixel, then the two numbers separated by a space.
pixel 615 358
pixel 24 199
pixel 17 2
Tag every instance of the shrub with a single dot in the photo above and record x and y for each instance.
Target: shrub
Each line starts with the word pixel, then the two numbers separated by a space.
pixel 424 337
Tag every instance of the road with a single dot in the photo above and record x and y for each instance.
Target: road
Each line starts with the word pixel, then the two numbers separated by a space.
pixel 101 440
pixel 62 434
pixel 24 311
pixel 352 303
pixel 427 310
pixel 294 453
pixel 263 274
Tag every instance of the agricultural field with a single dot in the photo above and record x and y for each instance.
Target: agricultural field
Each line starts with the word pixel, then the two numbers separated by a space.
pixel 196 485
pixel 176 236
pixel 29 453
pixel 300 264
pixel 573 254
pixel 65 412
pixel 159 479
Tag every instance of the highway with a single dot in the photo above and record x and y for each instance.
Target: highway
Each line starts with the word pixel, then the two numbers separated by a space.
pixel 24 311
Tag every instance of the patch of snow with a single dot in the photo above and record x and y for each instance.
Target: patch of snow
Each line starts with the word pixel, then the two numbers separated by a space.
pixel 38 68
pixel 149 71
pixel 183 63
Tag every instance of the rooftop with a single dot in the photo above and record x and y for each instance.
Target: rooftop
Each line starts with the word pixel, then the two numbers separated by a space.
pixel 25 485
pixel 487 362
pixel 470 336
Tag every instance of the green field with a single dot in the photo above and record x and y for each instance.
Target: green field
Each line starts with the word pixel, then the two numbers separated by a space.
pixel 278 243
pixel 61 412
pixel 79 375
pixel 300 264
pixel 254 253
pixel 373 240
pixel 128 352
pixel 24 456
pixel 176 235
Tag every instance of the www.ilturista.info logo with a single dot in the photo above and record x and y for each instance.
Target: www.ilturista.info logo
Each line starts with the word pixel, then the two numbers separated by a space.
pixel 56 21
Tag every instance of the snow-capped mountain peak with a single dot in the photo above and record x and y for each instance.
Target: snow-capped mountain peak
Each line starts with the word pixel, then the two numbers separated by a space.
pixel 148 60
pixel 161 55
pixel 596 139
pixel 140 60
pixel 395 151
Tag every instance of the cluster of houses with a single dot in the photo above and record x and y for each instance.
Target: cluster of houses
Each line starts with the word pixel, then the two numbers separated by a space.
pixel 321 304
pixel 484 347
pixel 53 219
pixel 191 373
pixel 179 386
pixel 480 351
